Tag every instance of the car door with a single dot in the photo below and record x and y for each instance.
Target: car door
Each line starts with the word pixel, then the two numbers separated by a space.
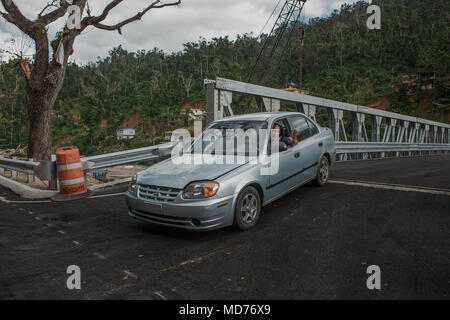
pixel 308 147
pixel 288 168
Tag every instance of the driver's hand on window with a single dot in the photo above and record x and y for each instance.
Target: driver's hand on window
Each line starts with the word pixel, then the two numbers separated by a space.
pixel 293 138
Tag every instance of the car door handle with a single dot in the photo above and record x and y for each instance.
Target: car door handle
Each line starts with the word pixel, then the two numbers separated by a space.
pixel 321 144
pixel 297 155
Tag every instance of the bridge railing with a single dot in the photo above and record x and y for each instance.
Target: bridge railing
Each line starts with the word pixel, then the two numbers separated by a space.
pixel 47 170
pixel 368 125
pixel 391 134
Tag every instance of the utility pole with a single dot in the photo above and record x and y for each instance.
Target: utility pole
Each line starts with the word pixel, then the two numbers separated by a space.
pixel 301 37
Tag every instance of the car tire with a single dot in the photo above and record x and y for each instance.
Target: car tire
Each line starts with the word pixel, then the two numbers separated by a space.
pixel 248 209
pixel 323 172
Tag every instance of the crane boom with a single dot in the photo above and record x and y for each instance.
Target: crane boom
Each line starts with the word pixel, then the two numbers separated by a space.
pixel 290 13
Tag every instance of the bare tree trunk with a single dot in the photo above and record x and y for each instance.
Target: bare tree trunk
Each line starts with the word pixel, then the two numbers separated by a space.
pixel 45 79
pixel 39 138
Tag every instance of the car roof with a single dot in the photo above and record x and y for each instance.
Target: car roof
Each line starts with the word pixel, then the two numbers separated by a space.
pixel 261 116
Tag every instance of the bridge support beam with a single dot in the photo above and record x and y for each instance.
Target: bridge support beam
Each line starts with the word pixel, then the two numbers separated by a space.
pixel 359 128
pixel 218 103
pixel 359 132
pixel 389 130
pixel 336 121
pixel 435 134
pixel 413 133
pixel 376 128
pixel 309 110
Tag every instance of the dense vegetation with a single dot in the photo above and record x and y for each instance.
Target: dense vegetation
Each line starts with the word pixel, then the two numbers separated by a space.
pixel 342 60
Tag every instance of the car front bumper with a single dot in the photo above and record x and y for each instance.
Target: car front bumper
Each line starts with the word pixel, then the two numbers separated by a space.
pixel 199 215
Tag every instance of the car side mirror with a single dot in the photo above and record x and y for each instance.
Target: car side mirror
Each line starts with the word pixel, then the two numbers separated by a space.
pixel 282 147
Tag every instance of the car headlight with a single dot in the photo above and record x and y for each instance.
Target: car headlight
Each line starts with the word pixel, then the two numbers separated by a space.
pixel 133 183
pixel 200 190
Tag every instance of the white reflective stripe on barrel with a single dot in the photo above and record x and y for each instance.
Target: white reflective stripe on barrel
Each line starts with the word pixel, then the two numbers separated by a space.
pixel 64 167
pixel 71 182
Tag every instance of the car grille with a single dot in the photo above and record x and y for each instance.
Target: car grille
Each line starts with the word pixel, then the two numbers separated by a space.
pixel 158 193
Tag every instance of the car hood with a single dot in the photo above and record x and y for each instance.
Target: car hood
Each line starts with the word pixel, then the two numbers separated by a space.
pixel 179 172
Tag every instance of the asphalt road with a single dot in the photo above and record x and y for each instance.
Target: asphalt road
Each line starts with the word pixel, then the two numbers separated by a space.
pixel 315 243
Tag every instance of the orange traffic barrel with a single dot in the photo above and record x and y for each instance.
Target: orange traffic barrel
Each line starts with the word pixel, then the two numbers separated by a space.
pixel 70 172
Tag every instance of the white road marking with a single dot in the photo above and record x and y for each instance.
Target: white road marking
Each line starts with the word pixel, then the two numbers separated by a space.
pixel 61 232
pixel 159 294
pixel 128 273
pixel 193 260
pixel 100 256
pixel 3 199
pixel 31 202
pixel 378 185
pixel 106 195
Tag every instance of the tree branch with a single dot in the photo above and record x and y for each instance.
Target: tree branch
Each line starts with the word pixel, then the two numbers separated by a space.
pixel 14 16
pixel 96 21
pixel 49 5
pixel 59 12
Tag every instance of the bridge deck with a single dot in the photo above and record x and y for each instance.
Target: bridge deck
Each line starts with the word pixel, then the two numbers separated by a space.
pixel 313 243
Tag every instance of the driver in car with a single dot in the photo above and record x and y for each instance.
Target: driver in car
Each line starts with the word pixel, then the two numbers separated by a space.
pixel 281 133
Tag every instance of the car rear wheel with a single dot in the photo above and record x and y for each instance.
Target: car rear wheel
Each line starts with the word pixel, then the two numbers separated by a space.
pixel 248 209
pixel 323 171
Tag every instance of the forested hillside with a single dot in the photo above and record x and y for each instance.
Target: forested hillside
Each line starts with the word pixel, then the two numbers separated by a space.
pixel 342 60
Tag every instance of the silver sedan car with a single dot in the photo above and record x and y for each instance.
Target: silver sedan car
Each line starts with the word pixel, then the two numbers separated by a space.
pixel 183 192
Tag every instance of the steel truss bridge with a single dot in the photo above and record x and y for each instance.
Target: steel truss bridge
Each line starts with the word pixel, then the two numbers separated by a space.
pixel 391 134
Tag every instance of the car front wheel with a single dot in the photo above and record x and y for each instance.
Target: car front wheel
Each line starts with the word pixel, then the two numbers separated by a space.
pixel 323 171
pixel 248 209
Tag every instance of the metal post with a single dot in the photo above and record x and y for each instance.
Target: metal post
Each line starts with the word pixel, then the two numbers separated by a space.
pixel 271 105
pixel 14 173
pixel 358 124
pixel 309 110
pixel 210 102
pixel 30 177
pixel 435 134
pixel 333 123
pixel 376 128
pixel 413 133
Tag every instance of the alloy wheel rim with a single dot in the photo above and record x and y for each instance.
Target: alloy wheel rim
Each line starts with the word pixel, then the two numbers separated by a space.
pixel 323 171
pixel 249 208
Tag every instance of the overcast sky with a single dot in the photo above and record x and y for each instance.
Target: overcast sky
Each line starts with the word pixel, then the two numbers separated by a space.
pixel 166 28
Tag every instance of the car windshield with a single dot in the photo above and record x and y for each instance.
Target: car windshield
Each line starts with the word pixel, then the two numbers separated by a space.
pixel 235 137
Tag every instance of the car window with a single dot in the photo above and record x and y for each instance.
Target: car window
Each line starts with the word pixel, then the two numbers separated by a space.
pixel 226 142
pixel 285 132
pixel 314 129
pixel 302 127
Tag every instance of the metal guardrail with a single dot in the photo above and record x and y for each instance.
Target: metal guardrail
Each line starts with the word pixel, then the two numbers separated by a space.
pixel 28 167
pixel 47 170
pixel 127 156
pixel 375 147
pixel 42 170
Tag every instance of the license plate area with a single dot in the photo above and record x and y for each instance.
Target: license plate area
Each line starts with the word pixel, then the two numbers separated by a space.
pixel 153 208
